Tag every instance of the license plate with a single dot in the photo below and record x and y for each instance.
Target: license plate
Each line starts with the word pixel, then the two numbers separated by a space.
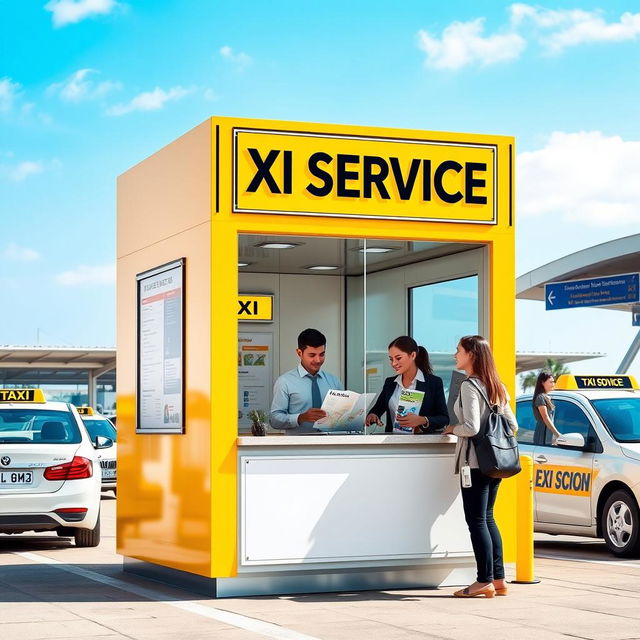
pixel 108 473
pixel 16 478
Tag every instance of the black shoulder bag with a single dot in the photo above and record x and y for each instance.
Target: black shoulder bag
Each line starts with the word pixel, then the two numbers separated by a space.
pixel 495 444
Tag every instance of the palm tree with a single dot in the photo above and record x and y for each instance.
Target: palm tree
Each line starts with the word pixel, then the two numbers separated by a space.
pixel 554 367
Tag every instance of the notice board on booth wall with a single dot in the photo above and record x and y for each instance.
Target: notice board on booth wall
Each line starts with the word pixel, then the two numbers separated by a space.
pixel 160 344
pixel 255 369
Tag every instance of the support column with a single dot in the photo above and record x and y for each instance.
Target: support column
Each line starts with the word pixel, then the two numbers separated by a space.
pixel 92 388
pixel 629 357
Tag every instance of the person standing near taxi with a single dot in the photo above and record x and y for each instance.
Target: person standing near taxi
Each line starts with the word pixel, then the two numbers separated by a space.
pixel 411 364
pixel 543 407
pixel 298 394
pixel 481 387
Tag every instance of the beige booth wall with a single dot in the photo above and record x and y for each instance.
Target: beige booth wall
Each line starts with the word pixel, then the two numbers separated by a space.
pixel 164 213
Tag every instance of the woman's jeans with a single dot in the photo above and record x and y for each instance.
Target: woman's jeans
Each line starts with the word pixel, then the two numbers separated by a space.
pixel 478 501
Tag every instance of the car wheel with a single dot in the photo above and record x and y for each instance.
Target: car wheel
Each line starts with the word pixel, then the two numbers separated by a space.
pixel 88 537
pixel 621 524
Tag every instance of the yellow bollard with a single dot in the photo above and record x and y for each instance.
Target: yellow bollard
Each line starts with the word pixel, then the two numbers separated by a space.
pixel 524 523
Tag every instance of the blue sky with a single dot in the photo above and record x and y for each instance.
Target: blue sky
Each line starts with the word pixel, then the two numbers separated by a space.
pixel 90 87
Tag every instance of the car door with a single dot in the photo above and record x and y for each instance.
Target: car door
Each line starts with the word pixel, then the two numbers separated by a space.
pixel 526 429
pixel 563 478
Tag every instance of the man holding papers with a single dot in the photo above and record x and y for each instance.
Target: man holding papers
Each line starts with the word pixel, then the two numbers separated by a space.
pixel 298 394
pixel 413 401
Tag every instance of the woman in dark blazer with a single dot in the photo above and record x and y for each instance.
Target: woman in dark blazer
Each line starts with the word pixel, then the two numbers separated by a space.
pixel 411 363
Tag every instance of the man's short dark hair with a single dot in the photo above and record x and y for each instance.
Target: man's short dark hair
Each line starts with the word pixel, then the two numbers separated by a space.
pixel 311 338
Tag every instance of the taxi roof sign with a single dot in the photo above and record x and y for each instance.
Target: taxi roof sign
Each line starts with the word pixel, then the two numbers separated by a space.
pixel 85 411
pixel 570 382
pixel 22 395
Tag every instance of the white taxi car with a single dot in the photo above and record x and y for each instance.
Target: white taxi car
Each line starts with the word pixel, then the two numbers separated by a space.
pixel 99 425
pixel 47 468
pixel 588 483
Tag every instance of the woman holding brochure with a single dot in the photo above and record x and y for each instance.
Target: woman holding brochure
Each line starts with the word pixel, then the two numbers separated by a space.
pixel 413 400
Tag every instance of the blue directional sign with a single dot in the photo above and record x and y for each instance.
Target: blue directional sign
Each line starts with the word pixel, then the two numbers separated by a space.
pixel 594 292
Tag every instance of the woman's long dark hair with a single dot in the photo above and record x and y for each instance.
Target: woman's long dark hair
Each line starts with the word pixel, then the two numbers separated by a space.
pixel 484 367
pixel 543 376
pixel 408 345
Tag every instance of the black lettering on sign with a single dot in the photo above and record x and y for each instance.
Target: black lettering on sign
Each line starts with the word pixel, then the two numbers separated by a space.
pixel 17 395
pixel 316 171
pixel 470 183
pixel 343 175
pixel 263 170
pixel 287 172
pixel 369 177
pixel 244 307
pixel 405 188
pixel 438 178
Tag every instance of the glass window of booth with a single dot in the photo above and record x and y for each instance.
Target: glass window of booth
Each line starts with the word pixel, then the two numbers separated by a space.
pixel 360 293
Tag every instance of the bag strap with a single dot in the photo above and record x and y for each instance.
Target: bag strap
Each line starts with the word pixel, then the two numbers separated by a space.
pixel 482 393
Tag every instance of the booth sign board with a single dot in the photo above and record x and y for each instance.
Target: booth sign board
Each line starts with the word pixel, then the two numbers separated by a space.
pixel 302 173
pixel 255 308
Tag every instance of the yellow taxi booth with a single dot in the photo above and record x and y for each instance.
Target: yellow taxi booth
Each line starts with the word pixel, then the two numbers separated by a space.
pixel 233 239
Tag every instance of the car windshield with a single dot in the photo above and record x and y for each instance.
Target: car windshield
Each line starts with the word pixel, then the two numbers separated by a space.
pixel 38 426
pixel 100 428
pixel 621 416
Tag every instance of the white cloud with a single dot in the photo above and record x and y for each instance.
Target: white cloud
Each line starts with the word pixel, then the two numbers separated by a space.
pixel 20 254
pixel 71 11
pixel 23 170
pixel 8 93
pixel 463 43
pixel 571 27
pixel 583 177
pixel 239 60
pixel 149 101
pixel 210 95
pixel 79 87
pixel 86 275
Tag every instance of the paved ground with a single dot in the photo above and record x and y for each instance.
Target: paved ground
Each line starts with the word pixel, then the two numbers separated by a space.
pixel 49 589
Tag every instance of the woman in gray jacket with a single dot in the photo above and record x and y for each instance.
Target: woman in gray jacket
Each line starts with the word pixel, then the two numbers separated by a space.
pixel 474 356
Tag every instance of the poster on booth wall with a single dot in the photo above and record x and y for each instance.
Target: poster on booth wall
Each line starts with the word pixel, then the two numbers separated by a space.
pixel 160 392
pixel 255 367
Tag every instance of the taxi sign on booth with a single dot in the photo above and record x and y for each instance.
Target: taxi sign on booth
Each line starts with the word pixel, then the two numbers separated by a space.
pixel 22 395
pixel 300 173
pixel 255 308
pixel 570 382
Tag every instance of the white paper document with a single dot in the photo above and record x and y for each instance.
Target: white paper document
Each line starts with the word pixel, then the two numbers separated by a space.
pixel 346 410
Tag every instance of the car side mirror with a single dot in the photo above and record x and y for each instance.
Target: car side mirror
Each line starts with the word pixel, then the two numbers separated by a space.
pixel 102 442
pixel 571 441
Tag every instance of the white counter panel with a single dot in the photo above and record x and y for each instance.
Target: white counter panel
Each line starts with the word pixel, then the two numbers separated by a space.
pixel 332 508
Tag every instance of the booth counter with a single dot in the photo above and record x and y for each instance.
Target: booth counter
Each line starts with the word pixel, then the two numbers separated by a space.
pixel 231 240
pixel 310 514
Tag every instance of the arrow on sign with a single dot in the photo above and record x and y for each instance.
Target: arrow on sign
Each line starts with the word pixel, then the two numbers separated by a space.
pixel 551 297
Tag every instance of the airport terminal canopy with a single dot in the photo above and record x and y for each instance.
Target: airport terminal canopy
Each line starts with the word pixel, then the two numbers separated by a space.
pixel 36 365
pixel 607 259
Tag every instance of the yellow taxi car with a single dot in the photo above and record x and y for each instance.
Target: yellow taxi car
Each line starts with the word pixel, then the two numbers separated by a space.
pixel 49 479
pixel 588 482
pixel 99 425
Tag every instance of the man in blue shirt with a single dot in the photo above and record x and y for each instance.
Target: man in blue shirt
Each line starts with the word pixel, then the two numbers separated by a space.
pixel 298 394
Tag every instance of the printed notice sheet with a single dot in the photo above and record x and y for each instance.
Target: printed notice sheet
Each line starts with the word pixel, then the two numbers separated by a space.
pixel 160 384
pixel 255 364
pixel 346 410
